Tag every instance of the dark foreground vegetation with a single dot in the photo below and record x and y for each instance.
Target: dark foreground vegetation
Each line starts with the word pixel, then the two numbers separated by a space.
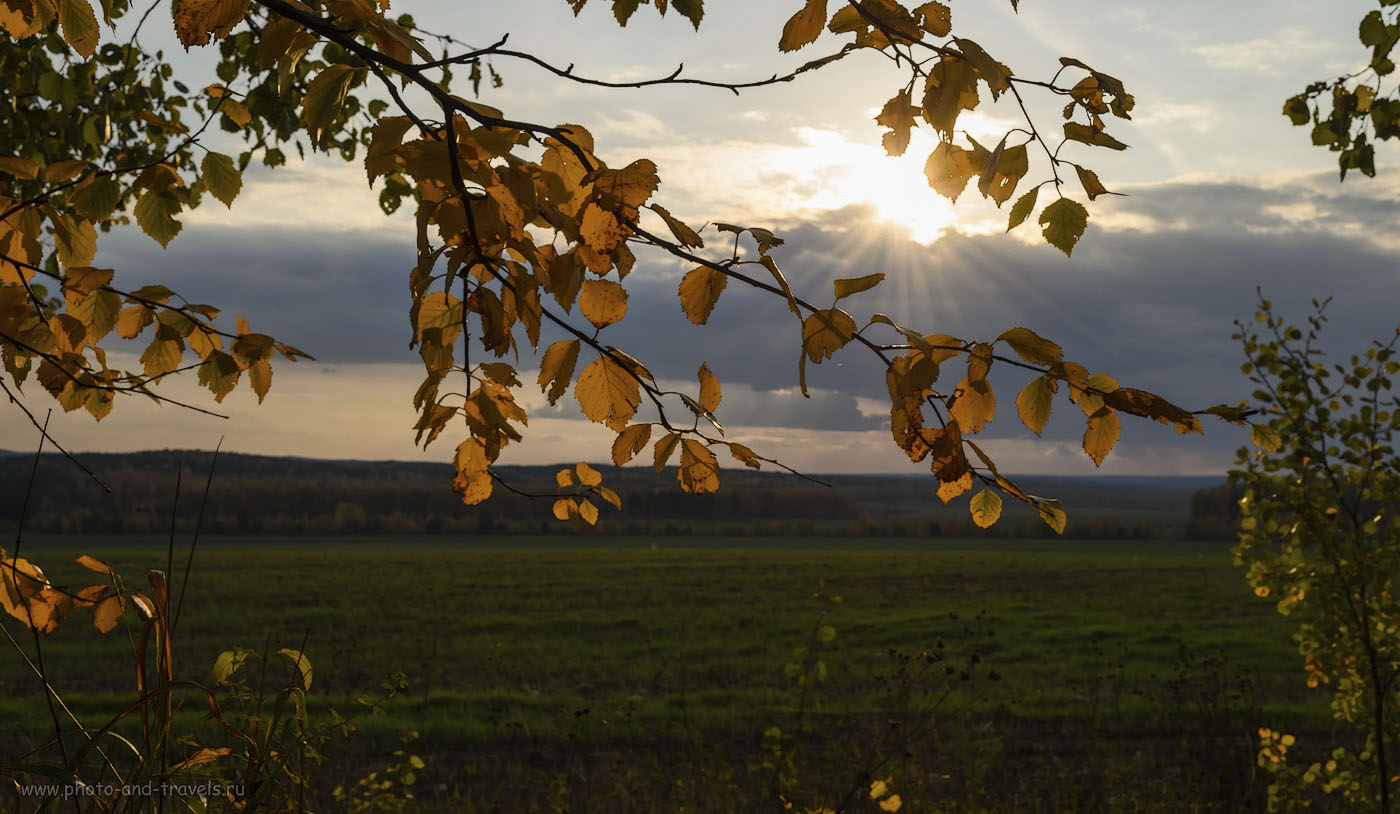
pixel 647 674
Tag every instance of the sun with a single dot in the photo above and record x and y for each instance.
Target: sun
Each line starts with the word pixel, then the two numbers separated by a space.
pixel 830 170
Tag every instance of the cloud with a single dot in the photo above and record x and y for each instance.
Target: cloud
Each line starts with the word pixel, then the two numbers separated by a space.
pixel 1152 304
pixel 1287 47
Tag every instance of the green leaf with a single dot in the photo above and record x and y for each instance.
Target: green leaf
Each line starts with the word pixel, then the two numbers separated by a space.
pixel 1372 30
pixel 986 508
pixel 1264 437
pixel 1063 224
pixel 97 200
pixel 226 665
pixel 221 178
pixel 1022 209
pixel 855 285
pixel 692 10
pixel 155 213
pixel 826 633
pixel 303 665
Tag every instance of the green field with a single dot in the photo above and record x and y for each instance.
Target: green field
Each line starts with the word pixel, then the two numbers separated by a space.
pixel 640 674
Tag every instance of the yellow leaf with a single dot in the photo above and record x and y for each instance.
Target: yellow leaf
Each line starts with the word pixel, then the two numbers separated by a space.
pixel 700 290
pixel 197 20
pixel 744 455
pixel 1101 434
pixel 1099 383
pixel 602 302
pixel 92 564
pixel 974 405
pixel 260 377
pixel 107 613
pixel 855 285
pixel 557 368
pixel 898 116
pixel 996 75
pixel 1053 513
pixel 950 89
pixel 709 390
pixel 1093 187
pixel 79 26
pixel 1033 403
pixel 879 788
pixel 986 508
pixel 951 489
pixel 473 478
pixel 948 170
pixel 684 235
pixel 1031 346
pixel 565 478
pixel 891 803
pixel 825 332
pixel 565 508
pixel 610 496
pixel 804 27
pixel 699 471
pixel 608 393
pixel 1091 135
pixel 630 442
pixel 626 189
pixel 935 18
pixel 661 453
pixel 587 475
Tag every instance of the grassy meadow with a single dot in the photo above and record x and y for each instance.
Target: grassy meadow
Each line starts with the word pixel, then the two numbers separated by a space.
pixel 640 674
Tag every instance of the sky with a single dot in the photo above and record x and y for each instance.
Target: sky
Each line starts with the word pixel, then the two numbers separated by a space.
pixel 1223 197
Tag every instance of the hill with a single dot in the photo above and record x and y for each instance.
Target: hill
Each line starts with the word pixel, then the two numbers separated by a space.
pixel 254 494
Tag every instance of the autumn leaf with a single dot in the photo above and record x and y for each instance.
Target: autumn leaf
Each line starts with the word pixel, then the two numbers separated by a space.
pixel 79 25
pixel 709 390
pixel 948 170
pixel 325 95
pixel 1033 403
pixel 602 302
pixel 608 393
pixel 699 291
pixel 629 442
pixel 1022 209
pixel 947 490
pixel 699 471
pixel 661 452
pixel 974 405
pixel 587 475
pixel 107 613
pixel 557 368
pixel 855 285
pixel 1063 224
pixel 1101 434
pixel 1052 512
pixel 951 88
pixel 1088 135
pixel 825 332
pixel 804 26
pixel 986 508
pixel 1089 179
pixel 684 235
pixel 898 116
pixel 221 178
pixel 1031 347
pixel 198 20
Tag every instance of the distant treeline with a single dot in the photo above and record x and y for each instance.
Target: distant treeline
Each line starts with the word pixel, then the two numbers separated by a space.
pixel 253 494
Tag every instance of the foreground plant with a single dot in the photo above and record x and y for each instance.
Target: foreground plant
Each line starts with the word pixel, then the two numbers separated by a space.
pixel 1318 535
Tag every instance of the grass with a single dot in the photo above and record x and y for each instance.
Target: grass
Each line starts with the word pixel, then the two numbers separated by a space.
pixel 532 646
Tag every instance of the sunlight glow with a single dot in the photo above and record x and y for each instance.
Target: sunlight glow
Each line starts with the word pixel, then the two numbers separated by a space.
pixel 831 170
